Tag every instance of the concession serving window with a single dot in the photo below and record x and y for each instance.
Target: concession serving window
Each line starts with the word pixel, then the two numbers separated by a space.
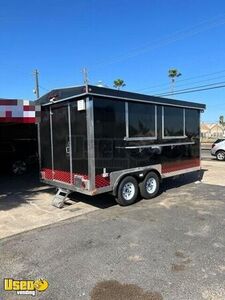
pixel 141 121
pixel 173 122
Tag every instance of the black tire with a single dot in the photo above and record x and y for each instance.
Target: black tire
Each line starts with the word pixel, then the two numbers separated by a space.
pixel 149 187
pixel 128 186
pixel 19 167
pixel 220 155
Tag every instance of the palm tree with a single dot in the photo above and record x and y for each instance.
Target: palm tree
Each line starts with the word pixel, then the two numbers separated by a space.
pixel 173 74
pixel 118 83
pixel 221 120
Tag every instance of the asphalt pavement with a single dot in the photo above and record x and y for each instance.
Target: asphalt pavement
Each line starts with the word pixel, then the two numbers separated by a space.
pixel 171 247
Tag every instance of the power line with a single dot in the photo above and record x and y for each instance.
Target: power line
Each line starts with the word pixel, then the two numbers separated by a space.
pixel 218 21
pixel 196 89
pixel 184 85
pixel 181 80
pixel 200 86
pixel 43 88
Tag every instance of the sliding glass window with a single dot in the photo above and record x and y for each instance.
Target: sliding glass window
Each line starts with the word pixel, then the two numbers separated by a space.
pixel 141 121
pixel 173 122
pixel 192 117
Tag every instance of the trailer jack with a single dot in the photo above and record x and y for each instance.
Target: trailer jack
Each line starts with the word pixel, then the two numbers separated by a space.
pixel 60 197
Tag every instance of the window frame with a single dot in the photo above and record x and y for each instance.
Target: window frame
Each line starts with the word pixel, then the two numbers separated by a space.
pixel 163 127
pixel 127 137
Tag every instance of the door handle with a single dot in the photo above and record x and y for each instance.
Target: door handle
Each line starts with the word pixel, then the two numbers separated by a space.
pixel 68 149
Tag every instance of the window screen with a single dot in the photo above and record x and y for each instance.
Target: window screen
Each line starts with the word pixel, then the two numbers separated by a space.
pixel 173 122
pixel 141 120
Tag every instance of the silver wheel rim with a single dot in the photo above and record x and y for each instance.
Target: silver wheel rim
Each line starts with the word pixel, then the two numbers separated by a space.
pixel 19 167
pixel 151 185
pixel 220 156
pixel 128 191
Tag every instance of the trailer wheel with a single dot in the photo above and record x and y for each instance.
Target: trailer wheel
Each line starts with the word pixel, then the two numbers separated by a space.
pixel 149 187
pixel 19 167
pixel 127 191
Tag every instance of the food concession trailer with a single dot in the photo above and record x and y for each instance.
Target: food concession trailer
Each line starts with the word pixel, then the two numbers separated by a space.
pixel 94 140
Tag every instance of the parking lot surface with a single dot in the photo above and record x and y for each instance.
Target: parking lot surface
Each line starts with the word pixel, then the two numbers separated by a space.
pixel 171 247
pixel 26 204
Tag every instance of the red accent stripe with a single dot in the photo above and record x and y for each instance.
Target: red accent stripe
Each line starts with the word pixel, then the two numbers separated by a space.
pixel 65 177
pixel 29 108
pixel 180 165
pixel 62 176
pixel 101 181
pixel 47 174
pixel 18 120
pixel 8 102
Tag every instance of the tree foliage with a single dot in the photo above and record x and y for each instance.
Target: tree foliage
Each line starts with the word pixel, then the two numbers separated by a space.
pixel 174 73
pixel 118 83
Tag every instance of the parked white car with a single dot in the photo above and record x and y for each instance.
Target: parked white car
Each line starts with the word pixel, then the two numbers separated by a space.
pixel 218 149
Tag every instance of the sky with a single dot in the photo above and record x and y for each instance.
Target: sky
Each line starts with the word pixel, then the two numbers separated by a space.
pixel 138 41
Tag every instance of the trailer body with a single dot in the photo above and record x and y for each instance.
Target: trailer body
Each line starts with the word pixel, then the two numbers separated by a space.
pixel 91 137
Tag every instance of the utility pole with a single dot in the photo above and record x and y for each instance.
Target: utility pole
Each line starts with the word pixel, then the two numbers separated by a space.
pixel 85 78
pixel 36 90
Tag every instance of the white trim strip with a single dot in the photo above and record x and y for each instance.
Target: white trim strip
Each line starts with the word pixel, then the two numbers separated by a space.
pixel 156 145
pixel 64 99
pixel 140 138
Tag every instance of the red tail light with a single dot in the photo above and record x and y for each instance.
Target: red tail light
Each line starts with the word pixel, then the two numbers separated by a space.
pixel 213 145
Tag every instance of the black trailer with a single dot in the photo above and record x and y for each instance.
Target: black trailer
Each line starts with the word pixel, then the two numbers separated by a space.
pixel 94 140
